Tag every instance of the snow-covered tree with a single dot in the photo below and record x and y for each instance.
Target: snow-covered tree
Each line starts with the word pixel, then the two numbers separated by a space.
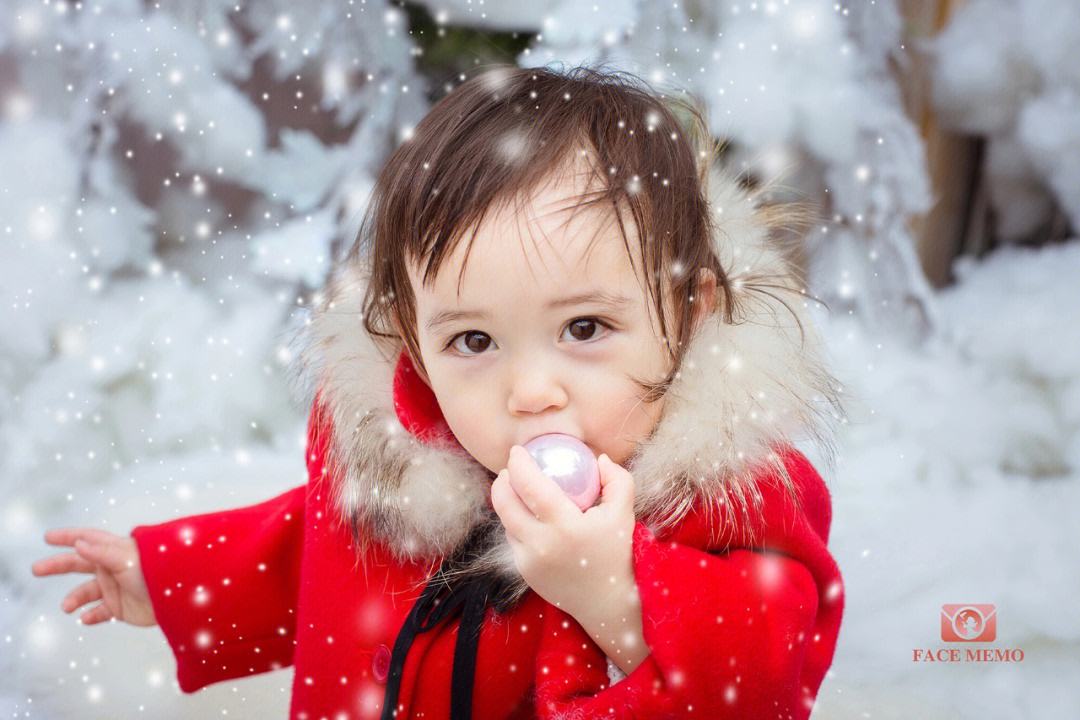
pixel 174 179
pixel 1007 71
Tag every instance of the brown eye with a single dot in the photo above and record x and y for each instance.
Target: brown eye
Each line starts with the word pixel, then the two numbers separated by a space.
pixel 583 328
pixel 475 342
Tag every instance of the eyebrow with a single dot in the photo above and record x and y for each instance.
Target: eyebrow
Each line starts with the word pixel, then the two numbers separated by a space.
pixel 598 297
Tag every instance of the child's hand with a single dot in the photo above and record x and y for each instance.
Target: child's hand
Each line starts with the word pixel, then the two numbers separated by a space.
pixel 574 560
pixel 118 580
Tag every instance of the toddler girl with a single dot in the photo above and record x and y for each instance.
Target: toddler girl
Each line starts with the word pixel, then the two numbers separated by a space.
pixel 427 568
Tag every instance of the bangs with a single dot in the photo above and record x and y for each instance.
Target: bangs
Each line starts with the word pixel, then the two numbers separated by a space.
pixel 492 143
pixel 584 189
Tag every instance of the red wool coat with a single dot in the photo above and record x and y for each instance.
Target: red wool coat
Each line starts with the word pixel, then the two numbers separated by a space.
pixel 741 610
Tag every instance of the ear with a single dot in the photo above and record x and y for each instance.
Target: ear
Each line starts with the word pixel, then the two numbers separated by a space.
pixel 704 296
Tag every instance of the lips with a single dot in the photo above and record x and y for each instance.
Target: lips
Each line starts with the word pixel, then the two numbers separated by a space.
pixel 548 432
pixel 588 444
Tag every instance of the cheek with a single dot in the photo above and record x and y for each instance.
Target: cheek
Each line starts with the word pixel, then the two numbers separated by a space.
pixel 468 411
pixel 648 361
pixel 614 410
pixel 460 405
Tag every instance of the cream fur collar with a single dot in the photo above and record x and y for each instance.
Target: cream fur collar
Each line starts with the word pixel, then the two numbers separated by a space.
pixel 744 390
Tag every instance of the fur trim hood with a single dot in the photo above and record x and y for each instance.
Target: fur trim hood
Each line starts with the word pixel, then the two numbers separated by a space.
pixel 745 392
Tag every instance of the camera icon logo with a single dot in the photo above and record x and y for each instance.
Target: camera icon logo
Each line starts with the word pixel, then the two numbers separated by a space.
pixel 968 623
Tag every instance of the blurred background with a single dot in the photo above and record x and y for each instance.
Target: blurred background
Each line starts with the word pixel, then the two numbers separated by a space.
pixel 176 179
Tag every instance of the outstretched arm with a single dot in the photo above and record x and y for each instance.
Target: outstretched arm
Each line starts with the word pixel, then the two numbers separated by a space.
pixel 224 587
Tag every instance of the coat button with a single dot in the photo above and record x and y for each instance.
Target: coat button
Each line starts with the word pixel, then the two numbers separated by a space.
pixel 380 664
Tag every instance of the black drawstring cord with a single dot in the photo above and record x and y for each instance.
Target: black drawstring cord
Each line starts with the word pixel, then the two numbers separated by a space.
pixel 432 608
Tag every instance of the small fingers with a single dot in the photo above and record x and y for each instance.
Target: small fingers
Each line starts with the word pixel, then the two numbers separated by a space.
pixel 97 614
pixel 59 564
pixel 540 494
pixel 68 536
pixel 110 556
pixel 83 594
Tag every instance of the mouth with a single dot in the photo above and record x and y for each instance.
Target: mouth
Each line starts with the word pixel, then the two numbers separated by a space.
pixel 587 444
pixel 530 438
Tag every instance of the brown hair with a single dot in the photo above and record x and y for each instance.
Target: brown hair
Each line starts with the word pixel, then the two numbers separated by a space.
pixel 499 135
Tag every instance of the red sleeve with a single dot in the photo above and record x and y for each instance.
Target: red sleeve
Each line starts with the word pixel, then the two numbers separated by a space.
pixel 224 586
pixel 746 633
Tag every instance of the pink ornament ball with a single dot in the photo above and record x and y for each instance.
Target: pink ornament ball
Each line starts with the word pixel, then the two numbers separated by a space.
pixel 570 463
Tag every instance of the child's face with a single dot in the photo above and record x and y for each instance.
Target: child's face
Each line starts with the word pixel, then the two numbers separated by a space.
pixel 525 368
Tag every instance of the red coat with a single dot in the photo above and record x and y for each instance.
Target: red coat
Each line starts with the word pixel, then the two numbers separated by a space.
pixel 738 633
pixel 741 610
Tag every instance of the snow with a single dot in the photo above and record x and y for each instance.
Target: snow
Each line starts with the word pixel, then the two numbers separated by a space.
pixel 298 250
pixel 52 663
pixel 958 482
pixel 163 227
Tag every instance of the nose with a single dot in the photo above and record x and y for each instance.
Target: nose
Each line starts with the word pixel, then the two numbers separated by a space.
pixel 534 391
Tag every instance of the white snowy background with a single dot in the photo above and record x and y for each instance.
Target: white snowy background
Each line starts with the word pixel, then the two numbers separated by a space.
pixel 176 177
